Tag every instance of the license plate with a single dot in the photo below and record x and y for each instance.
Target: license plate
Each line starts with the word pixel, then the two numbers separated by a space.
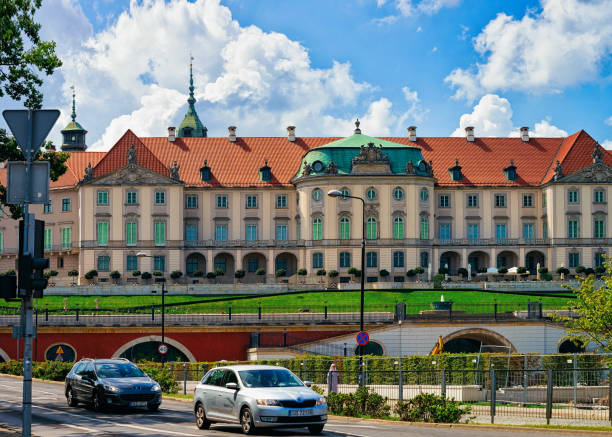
pixel 294 413
pixel 138 404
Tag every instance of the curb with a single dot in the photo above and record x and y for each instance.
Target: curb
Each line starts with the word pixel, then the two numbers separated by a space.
pixel 33 379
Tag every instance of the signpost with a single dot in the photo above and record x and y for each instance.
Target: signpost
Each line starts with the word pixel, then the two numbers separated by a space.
pixel 362 338
pixel 30 128
pixel 162 349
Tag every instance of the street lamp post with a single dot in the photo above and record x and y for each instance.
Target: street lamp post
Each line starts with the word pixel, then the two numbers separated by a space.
pixel 338 193
pixel 163 308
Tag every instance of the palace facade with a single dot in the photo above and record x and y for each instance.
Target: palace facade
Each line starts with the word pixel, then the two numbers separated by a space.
pixel 196 204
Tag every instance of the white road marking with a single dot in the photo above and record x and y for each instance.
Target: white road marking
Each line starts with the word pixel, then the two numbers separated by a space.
pixel 351 426
pixel 145 428
pixel 80 427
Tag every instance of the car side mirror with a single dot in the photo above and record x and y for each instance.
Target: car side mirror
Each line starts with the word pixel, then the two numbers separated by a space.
pixel 231 386
pixel 308 383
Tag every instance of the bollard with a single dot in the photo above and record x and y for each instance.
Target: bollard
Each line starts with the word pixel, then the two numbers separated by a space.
pixel 495 310
pixel 575 379
pixel 549 394
pixel 493 395
pixel 153 312
pixel 345 350
pixel 610 394
pixel 284 338
pixel 325 312
pixel 46 314
pixel 525 379
pixel 443 387
pixel 229 312
pixel 259 312
pixel 401 381
pixel 77 314
pixel 185 378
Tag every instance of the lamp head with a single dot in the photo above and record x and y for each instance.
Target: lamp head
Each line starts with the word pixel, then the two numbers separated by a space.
pixel 141 254
pixel 334 193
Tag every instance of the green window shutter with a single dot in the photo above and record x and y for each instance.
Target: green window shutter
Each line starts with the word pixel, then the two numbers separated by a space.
pixel 103 233
pixel 48 239
pixel 66 238
pixel 160 233
pixel 1 242
pixel 130 234
pixel 345 229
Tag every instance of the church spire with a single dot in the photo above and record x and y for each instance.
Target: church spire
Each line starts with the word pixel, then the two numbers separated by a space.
pixel 73 107
pixel 191 126
pixel 74 133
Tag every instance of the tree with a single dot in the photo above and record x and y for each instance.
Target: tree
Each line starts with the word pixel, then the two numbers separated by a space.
pixel 592 309
pixel 91 276
pixel 115 275
pixel 176 275
pixel 22 61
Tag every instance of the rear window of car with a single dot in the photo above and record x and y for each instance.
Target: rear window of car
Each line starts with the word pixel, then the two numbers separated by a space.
pixel 118 370
pixel 269 378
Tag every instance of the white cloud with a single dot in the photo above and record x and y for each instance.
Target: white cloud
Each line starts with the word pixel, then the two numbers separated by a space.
pixel 464 32
pixel 560 46
pixel 410 95
pixel 609 121
pixel 408 8
pixel 492 117
pixel 434 49
pixel 419 29
pixel 607 144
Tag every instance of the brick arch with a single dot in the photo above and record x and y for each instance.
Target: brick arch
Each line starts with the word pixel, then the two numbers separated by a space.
pixel 4 355
pixel 486 336
pixel 158 338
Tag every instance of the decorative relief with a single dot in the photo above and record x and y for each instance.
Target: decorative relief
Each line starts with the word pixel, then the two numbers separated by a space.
pixel 131 156
pixel 596 173
pixel 410 169
pixel 307 170
pixel 174 171
pixel 89 173
pixel 370 154
pixel 134 175
pixel 558 171
pixel 332 168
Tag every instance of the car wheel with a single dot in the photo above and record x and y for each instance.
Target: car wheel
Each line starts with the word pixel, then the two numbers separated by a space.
pixel 153 407
pixel 246 420
pixel 72 401
pixel 201 421
pixel 98 401
pixel 315 429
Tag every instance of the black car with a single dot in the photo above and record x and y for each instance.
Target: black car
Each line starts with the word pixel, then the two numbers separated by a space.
pixel 108 383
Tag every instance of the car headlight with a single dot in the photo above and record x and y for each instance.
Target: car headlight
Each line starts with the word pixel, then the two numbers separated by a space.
pixel 156 387
pixel 111 388
pixel 269 402
pixel 321 401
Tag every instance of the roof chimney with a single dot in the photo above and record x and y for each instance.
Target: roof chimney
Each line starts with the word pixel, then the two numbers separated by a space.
pixel 412 133
pixel 469 133
pixel 525 134
pixel 291 133
pixel 171 134
pixel 232 133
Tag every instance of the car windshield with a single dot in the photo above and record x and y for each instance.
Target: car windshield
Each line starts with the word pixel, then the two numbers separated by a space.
pixel 118 370
pixel 269 378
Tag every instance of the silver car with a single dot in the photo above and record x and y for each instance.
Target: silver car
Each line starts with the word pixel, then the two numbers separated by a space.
pixel 257 397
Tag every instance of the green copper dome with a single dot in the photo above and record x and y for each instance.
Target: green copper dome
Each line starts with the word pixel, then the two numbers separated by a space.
pixel 191 126
pixel 73 125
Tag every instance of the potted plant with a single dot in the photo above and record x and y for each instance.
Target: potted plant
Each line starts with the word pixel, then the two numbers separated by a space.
pixel 73 274
pixel 462 271
pixel 302 273
pixel 50 274
pixel 411 273
pixel 91 276
pixel 443 271
pixel 419 270
pixel 321 273
pixel 383 273
pixel 261 272
pixel 332 273
pixel 600 270
pixel 176 275
pixel 198 274
pixel 115 275
pixel 146 276
pixel 157 273
pixel 562 272
pixel 211 276
pixel 239 274
pixel 580 270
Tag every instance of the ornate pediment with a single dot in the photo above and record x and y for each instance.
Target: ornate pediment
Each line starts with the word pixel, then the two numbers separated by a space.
pixel 596 173
pixel 132 174
pixel 370 160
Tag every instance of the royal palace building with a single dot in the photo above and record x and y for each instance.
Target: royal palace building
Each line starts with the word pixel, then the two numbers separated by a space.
pixel 196 204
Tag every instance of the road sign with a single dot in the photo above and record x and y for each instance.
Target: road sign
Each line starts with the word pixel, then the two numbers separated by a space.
pixel 162 349
pixel 16 184
pixel 363 338
pixel 42 122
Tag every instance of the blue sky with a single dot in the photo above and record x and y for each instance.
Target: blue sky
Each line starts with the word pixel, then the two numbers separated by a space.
pixel 262 65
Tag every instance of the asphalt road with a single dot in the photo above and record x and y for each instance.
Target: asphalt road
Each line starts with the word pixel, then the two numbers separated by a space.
pixel 53 418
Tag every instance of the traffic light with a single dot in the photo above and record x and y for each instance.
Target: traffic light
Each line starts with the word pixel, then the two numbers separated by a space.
pixel 31 275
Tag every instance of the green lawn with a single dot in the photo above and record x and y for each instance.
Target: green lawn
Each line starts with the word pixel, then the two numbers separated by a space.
pixel 469 301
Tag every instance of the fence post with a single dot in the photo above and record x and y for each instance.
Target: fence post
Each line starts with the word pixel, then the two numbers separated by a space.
pixel 549 394
pixel 259 311
pixel 493 395
pixel 325 311
pixel 153 312
pixel 525 379
pixel 443 387
pixel 345 350
pixel 610 394
pixel 229 312
pixel 184 378
pixel 46 314
pixel 401 381
pixel 575 380
pixel 495 310
pixel 77 314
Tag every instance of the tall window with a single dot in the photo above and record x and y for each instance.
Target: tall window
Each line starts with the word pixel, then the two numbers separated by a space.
pixel 48 208
pixel 398 193
pixel 160 197
pixel 424 259
pixel 317 229
pixel 500 200
pixel 527 200
pixel 221 264
pixel 574 259
pixel 48 239
pixel 251 201
pixel 102 197
pixel 500 231
pixel 371 193
pixel 103 263
pixel 159 263
pixel 1 241
pixel 66 238
pixel 398 228
pixel 599 196
pixel 221 232
pixel 445 231
pixel 102 233
pixel 65 205
pixel 398 259
pixel 132 198
pixel 345 259
pixel 192 201
pixel 424 228
pixel 599 228
pixel 317 260
pixel 221 201
pixel 371 259
pixel 345 228
pixel 598 259
pixel 131 234
pixel 544 229
pixel 281 201
pixel 543 200
pixel 473 232
pixel 444 201
pixel 528 231
pixel 345 193
pixel 252 265
pixel 371 229
pixel 192 265
pixel 281 232
pixel 191 232
pixel 472 200
pixel 251 232
pixel 424 195
pixel 160 233
pixel 572 196
pixel 317 194
pixel 131 263
pixel 572 228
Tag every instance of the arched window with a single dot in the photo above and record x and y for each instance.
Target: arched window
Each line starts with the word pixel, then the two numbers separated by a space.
pixel 398 193
pixel 398 228
pixel 345 193
pixel 192 265
pixel 371 193
pixel 345 259
pixel 372 348
pixel 317 260
pixel 424 228
pixel 424 195
pixel 317 229
pixel 317 194
pixel 345 228
pixel 371 229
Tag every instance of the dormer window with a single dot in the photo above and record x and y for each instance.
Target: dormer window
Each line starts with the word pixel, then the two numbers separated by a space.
pixel 265 172
pixel 186 131
pixel 455 172
pixel 205 173
pixel 510 171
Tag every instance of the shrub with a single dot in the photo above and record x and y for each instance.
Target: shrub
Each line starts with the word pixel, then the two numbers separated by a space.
pixel 51 272
pixel 157 273
pixel 11 272
pixel 73 273
pixel 302 272
pixel 198 273
pixel 51 370
pixel 600 270
pixel 163 377
pixel 428 407
pixel 438 280
pixel 580 270
pixel 521 270
pixel 562 270
pixel 321 272
pixel 260 272
pixel 146 275
pixel 384 273
pixel 361 403
pixel 462 271
pixel 410 273
pixel 115 274
pixel 543 270
pixel 239 274
pixel 502 270
pixel 280 273
pixel 176 274
pixel 211 275
pixel 589 271
pixel 443 271
pixel 546 277
pixel 219 272
pixel 317 389
pixel 482 270
pixel 352 270
pixel 90 275
pixel 136 273
pixel 332 273
pixel 419 270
